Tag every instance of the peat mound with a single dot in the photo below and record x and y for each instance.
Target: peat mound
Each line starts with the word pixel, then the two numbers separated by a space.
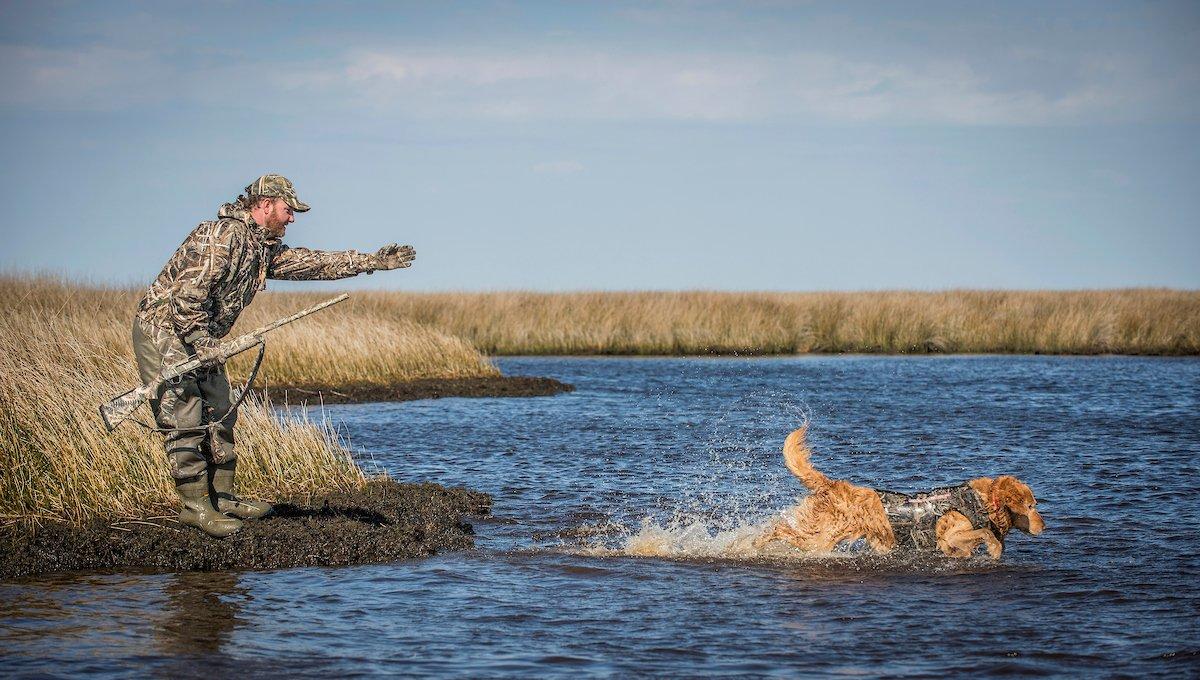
pixel 425 388
pixel 382 522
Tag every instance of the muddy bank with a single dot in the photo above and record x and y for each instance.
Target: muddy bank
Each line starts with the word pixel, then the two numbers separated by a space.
pixel 382 522
pixel 430 388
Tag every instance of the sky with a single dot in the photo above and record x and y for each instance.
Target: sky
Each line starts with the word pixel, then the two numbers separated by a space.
pixel 617 146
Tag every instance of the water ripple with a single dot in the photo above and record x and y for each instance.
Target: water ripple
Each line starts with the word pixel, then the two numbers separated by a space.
pixel 625 513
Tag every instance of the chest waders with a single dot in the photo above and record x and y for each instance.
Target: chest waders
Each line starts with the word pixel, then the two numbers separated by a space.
pixel 208 502
pixel 204 482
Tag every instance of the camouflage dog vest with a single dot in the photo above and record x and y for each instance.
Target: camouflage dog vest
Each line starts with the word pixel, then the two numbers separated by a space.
pixel 914 517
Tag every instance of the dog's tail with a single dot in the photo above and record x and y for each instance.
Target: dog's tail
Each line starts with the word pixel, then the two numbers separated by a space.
pixel 795 455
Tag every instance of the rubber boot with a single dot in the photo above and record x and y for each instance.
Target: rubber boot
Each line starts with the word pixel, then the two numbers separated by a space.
pixel 227 502
pixel 198 510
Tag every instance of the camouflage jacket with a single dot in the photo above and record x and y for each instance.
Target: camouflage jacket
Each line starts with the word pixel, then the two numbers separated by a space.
pixel 220 266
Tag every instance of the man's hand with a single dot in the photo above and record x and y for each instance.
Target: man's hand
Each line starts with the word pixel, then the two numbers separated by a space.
pixel 393 256
pixel 208 351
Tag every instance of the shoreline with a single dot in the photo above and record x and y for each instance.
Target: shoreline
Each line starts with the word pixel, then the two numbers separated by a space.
pixel 424 388
pixel 384 521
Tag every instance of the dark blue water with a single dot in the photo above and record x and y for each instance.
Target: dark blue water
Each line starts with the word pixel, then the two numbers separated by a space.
pixel 624 513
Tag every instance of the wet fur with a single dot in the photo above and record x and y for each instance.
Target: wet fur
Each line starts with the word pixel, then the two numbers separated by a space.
pixel 836 511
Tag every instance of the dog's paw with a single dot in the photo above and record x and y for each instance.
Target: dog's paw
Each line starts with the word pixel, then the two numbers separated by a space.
pixel 995 549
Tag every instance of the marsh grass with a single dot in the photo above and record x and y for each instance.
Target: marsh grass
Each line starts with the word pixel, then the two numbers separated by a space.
pixel 347 344
pixel 1130 321
pixel 64 349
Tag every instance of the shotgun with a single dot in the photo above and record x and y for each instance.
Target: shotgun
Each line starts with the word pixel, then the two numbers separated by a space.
pixel 118 409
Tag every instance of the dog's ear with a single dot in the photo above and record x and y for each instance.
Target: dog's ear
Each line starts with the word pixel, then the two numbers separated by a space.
pixel 1016 497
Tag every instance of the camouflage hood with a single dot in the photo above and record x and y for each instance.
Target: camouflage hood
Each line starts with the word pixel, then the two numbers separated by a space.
pixel 231 211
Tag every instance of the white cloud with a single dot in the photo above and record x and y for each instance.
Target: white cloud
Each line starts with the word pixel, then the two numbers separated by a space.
pixel 607 85
pixel 591 84
pixel 552 85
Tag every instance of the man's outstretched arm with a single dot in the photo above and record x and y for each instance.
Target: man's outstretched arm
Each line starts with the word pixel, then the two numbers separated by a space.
pixel 303 264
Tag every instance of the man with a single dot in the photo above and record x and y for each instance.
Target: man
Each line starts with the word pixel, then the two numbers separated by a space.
pixel 192 304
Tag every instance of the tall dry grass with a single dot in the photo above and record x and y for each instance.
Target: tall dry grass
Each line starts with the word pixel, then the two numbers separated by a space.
pixel 1131 321
pixel 352 344
pixel 66 348
pixel 344 344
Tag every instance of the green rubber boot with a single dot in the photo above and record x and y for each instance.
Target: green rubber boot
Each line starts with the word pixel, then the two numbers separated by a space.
pixel 198 510
pixel 227 502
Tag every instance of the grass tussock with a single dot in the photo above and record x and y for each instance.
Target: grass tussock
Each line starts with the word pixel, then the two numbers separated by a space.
pixel 1131 321
pixel 66 348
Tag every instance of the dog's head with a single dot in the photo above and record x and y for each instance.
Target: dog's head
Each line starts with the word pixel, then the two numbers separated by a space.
pixel 1015 496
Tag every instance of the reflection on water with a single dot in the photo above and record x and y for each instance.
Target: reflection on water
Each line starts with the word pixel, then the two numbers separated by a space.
pixel 90 622
pixel 624 513
pixel 201 612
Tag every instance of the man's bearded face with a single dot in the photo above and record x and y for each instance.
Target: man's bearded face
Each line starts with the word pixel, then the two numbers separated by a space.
pixel 277 218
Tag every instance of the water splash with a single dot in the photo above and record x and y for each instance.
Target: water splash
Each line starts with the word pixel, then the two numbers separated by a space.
pixel 697 538
pixel 683 536
pixel 743 472
pixel 692 539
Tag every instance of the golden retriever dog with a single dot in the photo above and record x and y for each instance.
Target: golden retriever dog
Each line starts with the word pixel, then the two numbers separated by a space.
pixel 955 520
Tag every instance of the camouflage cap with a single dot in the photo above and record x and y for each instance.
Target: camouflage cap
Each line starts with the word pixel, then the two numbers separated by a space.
pixel 276 186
